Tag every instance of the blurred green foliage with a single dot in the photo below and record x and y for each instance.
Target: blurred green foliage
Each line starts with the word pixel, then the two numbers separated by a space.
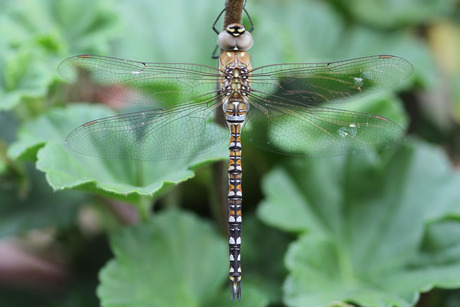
pixel 381 229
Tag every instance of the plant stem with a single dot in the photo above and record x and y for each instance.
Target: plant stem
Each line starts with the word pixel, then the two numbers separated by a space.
pixel 144 207
pixel 233 12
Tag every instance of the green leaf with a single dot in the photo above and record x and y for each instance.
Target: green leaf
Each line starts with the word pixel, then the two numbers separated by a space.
pixel 180 31
pixel 86 26
pixel 314 31
pixel 173 260
pixel 8 127
pixel 23 74
pixel 124 179
pixel 376 231
pixel 54 26
pixel 38 207
pixel 392 13
pixel 34 33
pixel 263 250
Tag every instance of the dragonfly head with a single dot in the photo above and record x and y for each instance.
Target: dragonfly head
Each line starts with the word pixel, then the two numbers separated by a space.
pixel 235 29
pixel 235 37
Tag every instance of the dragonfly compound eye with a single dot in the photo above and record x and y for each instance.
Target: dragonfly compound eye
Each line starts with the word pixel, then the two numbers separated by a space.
pixel 235 37
pixel 244 42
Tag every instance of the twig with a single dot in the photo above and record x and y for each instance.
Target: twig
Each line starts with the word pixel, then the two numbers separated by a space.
pixel 233 12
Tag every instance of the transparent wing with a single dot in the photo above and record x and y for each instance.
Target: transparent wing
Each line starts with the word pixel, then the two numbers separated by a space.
pixel 285 116
pixel 319 83
pixel 141 82
pixel 159 134
pixel 319 131
pixel 288 114
pixel 185 129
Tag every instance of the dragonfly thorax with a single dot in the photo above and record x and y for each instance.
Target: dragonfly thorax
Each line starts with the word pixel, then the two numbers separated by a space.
pixel 236 82
pixel 235 37
pixel 235 87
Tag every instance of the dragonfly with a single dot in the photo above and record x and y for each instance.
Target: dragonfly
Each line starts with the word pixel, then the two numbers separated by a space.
pixel 284 108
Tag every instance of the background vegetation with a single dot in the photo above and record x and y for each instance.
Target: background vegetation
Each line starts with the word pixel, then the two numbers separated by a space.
pixel 381 229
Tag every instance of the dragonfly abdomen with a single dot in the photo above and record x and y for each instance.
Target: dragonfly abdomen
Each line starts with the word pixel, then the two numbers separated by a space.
pixel 235 198
pixel 235 107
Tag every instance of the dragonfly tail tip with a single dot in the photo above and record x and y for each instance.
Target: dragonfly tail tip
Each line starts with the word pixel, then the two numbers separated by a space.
pixel 235 290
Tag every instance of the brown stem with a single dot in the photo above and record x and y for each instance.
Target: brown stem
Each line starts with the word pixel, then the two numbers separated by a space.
pixel 233 12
